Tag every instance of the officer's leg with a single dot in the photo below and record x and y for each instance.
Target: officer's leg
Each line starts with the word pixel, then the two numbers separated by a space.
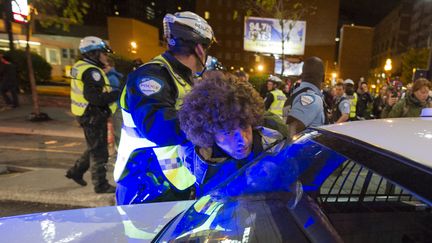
pixel 99 156
pixel 81 165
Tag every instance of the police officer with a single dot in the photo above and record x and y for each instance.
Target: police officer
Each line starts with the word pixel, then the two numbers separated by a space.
pixel 148 166
pixel 341 108
pixel 92 101
pixel 275 99
pixel 306 101
pixel 352 97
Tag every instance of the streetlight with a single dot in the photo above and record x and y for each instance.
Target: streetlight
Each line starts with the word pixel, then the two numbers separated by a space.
pixel 388 68
pixel 260 68
pixel 134 47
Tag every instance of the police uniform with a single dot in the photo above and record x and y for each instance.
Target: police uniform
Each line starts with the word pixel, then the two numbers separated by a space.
pixel 307 107
pixel 92 101
pixel 274 102
pixel 342 106
pixel 148 166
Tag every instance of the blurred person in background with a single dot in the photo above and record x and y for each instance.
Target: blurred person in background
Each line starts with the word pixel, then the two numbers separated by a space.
pixel 412 104
pixel 115 78
pixel 364 99
pixel 352 97
pixel 341 106
pixel 92 102
pixel 379 102
pixel 242 76
pixel 275 98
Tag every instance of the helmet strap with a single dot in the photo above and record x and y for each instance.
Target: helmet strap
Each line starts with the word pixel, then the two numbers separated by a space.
pixel 200 74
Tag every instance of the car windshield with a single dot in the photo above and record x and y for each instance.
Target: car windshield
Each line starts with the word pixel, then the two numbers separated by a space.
pixel 264 200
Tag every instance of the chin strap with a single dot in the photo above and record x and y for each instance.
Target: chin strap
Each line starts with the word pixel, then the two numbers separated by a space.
pixel 200 74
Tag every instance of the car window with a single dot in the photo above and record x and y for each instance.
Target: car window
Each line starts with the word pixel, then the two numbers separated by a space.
pixel 365 207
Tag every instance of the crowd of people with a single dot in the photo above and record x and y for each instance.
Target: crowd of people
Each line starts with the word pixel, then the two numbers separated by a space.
pixel 185 127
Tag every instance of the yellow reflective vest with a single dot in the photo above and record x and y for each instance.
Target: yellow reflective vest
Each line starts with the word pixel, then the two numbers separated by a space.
pixel 78 102
pixel 168 157
pixel 353 105
pixel 279 99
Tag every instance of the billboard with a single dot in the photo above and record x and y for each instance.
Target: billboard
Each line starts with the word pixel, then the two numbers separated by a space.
pixel 265 35
pixel 20 10
pixel 290 68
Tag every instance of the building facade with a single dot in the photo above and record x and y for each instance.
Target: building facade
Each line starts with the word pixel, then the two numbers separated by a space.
pixel 391 37
pixel 355 51
pixel 421 25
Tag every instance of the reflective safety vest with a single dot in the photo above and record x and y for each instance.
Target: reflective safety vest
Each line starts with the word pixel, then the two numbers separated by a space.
pixel 279 99
pixel 353 105
pixel 78 102
pixel 170 163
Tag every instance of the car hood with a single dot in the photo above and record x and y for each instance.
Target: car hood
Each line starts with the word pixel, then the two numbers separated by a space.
pixel 104 224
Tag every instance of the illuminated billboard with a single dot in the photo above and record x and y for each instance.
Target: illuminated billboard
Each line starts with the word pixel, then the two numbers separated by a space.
pixel 265 35
pixel 20 10
pixel 290 68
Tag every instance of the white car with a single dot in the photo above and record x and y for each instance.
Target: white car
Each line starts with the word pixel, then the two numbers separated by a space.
pixel 366 181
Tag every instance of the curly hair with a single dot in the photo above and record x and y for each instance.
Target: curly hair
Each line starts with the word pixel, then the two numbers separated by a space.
pixel 219 102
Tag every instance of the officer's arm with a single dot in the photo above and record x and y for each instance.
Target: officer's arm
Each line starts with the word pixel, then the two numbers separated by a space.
pixel 151 99
pixel 268 100
pixel 294 126
pixel 305 109
pixel 344 108
pixel 93 88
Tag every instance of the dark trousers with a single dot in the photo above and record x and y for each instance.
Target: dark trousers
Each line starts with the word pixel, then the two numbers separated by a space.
pixel 96 154
pixel 13 90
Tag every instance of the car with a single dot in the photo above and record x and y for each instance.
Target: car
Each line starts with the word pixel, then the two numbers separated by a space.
pixel 364 181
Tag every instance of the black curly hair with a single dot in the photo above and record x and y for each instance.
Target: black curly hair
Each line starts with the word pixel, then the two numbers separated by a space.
pixel 219 102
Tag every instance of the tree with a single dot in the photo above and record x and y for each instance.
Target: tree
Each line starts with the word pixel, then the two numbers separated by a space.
pixel 293 10
pixel 414 58
pixel 60 13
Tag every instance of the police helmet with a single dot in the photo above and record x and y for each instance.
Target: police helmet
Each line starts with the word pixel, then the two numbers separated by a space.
pixel 93 43
pixel 348 81
pixel 187 26
pixel 274 79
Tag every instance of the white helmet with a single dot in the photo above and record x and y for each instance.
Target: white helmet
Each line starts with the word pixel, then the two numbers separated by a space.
pixel 187 26
pixel 274 79
pixel 348 81
pixel 92 43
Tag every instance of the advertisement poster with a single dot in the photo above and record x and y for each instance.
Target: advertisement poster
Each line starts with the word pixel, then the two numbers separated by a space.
pixel 265 35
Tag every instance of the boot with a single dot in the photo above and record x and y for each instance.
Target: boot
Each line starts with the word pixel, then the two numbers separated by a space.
pixel 78 179
pixel 105 188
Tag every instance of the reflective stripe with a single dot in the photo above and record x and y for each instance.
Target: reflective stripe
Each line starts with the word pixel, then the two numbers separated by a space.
pixel 127 119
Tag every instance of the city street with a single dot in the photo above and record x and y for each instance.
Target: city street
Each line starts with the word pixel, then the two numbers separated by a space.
pixel 39 151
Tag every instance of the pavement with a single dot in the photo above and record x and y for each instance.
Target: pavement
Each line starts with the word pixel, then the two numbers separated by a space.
pixel 46 185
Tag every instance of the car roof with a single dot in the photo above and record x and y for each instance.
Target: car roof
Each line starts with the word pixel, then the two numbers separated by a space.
pixel 407 137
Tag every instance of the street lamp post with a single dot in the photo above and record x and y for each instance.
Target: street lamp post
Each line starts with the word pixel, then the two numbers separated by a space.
pixel 387 68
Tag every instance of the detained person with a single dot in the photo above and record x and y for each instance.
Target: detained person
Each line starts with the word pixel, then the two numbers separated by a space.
pixel 224 118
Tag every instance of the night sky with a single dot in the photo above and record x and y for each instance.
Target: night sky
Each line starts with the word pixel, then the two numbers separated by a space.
pixel 365 12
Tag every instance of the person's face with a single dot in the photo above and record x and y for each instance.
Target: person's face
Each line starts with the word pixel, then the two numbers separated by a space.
pixel 236 143
pixel 339 91
pixel 103 58
pixel 422 94
pixel 270 86
pixel 364 87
